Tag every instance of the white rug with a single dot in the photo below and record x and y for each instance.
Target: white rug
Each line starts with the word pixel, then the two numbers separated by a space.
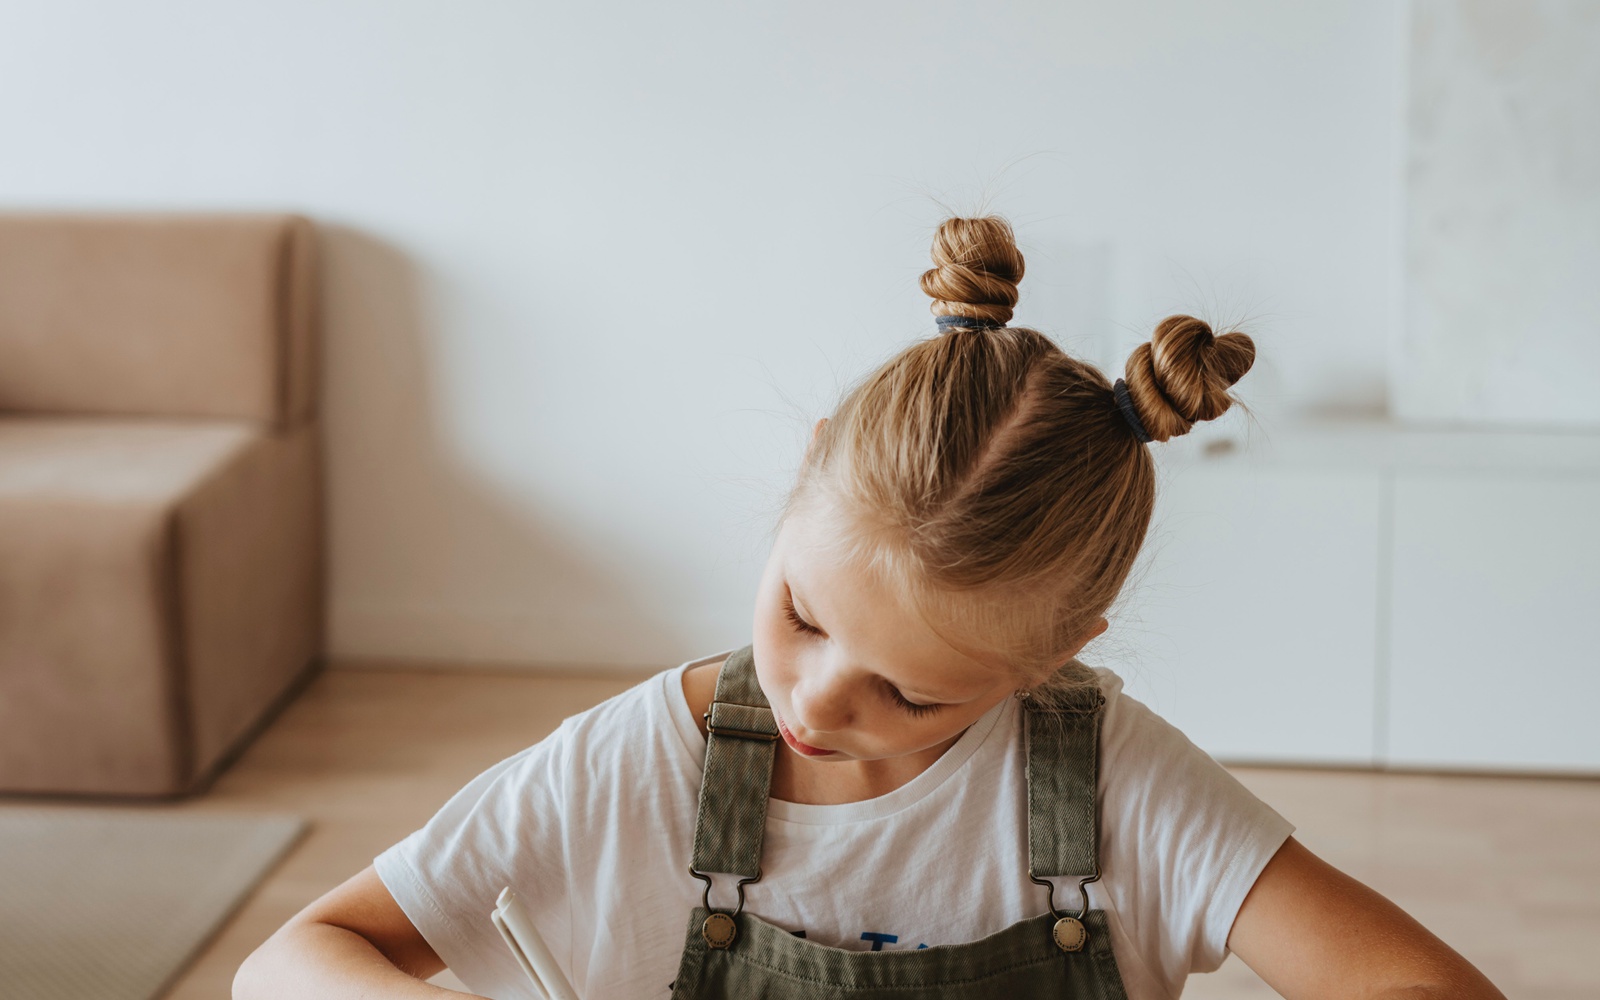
pixel 112 903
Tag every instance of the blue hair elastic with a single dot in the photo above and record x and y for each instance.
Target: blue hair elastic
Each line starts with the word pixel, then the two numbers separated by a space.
pixel 948 323
pixel 1131 415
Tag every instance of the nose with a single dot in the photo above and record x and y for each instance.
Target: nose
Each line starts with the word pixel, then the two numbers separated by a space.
pixel 824 700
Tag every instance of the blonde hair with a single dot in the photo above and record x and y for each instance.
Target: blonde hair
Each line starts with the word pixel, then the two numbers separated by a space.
pixel 992 477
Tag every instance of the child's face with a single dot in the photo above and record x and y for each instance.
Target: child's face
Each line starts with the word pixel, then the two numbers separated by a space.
pixel 841 679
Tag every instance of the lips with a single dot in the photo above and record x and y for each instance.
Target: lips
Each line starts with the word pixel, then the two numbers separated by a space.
pixel 796 745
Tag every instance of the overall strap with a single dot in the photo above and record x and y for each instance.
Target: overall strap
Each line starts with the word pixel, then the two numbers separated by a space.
pixel 740 743
pixel 1063 757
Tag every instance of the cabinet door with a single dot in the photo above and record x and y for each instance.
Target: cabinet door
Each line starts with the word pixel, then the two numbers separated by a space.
pixel 1495 602
pixel 1251 624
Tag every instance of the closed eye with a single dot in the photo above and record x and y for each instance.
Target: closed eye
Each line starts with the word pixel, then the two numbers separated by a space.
pixel 910 707
pixel 893 693
pixel 800 624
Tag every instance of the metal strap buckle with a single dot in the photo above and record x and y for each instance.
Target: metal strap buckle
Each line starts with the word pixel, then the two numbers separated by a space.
pixel 721 927
pixel 738 734
pixel 1069 932
pixel 1083 894
pixel 705 897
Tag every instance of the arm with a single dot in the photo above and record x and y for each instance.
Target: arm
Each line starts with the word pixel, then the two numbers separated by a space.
pixel 1313 932
pixel 353 942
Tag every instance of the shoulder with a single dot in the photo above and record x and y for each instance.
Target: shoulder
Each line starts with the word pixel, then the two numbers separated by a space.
pixel 622 724
pixel 1147 763
pixel 643 725
pixel 637 745
pixel 700 687
pixel 1187 837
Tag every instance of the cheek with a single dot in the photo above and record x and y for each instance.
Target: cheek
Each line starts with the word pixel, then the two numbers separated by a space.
pixel 891 738
pixel 775 651
pixel 767 628
pixel 918 734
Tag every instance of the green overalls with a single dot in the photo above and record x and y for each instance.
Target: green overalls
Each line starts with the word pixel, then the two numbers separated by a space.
pixel 732 954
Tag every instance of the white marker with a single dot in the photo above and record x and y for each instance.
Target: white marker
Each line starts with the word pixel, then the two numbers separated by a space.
pixel 529 948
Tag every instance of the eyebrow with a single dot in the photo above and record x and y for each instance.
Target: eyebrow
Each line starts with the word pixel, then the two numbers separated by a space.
pixel 903 688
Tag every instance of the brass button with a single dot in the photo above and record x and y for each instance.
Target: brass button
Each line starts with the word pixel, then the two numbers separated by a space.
pixel 719 930
pixel 1069 934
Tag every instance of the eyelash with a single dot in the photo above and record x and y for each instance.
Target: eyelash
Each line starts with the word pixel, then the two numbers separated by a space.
pixel 806 628
pixel 800 624
pixel 910 707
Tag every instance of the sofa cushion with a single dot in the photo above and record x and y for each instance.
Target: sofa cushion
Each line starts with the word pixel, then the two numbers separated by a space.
pixel 89 459
pixel 92 696
pixel 157 315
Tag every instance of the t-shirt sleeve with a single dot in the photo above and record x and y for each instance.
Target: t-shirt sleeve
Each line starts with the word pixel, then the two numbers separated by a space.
pixel 502 829
pixel 1195 836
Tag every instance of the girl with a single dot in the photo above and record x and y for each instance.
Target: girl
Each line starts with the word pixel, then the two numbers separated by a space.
pixel 906 785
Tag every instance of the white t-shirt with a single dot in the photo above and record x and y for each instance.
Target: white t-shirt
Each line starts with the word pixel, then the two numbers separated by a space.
pixel 593 827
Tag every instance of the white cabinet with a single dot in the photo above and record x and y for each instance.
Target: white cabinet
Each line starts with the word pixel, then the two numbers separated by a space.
pixel 1251 623
pixel 1368 595
pixel 1493 662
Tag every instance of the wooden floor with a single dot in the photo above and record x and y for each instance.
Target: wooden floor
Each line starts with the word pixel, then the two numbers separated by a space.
pixel 1506 870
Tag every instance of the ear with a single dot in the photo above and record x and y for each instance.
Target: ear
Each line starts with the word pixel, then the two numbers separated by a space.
pixel 1095 630
pixel 812 444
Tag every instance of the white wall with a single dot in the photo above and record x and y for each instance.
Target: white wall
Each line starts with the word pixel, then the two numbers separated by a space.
pixel 594 268
pixel 1502 216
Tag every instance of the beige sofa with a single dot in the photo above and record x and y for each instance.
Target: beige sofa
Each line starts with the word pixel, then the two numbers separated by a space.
pixel 161 556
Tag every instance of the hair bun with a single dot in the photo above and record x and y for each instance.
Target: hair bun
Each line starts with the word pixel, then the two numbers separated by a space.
pixel 1183 374
pixel 976 269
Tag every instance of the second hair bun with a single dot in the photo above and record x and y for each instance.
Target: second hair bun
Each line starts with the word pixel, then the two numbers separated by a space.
pixel 1183 374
